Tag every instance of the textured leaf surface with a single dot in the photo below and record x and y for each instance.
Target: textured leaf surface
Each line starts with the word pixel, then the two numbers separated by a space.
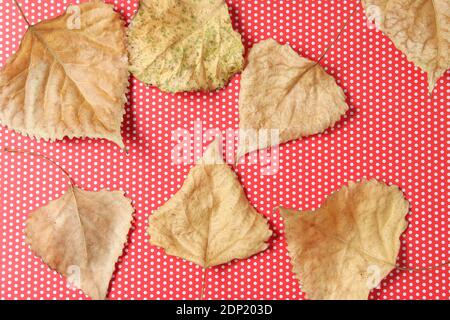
pixel 68 82
pixel 209 220
pixel 84 229
pixel 184 45
pixel 419 28
pixel 339 250
pixel 281 90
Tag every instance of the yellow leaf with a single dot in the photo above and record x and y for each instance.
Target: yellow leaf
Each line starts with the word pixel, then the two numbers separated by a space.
pixel 81 235
pixel 209 221
pixel 184 45
pixel 281 90
pixel 345 248
pixel 68 79
pixel 420 29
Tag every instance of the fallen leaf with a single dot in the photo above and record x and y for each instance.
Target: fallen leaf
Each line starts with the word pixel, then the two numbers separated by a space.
pixel 68 82
pixel 209 221
pixel 184 45
pixel 281 90
pixel 420 29
pixel 82 232
pixel 345 248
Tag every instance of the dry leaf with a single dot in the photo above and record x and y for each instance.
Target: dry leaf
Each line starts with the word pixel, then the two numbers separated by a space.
pixel 68 82
pixel 209 221
pixel 81 235
pixel 345 248
pixel 281 90
pixel 184 45
pixel 420 29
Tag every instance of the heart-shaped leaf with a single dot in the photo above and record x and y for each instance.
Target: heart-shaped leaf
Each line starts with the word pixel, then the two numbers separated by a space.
pixel 81 235
pixel 420 29
pixel 345 248
pixel 184 45
pixel 281 90
pixel 209 221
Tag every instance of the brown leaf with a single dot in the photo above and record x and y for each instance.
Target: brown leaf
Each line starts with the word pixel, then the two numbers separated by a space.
pixel 281 90
pixel 184 45
pixel 209 221
pixel 83 230
pixel 345 248
pixel 420 29
pixel 68 82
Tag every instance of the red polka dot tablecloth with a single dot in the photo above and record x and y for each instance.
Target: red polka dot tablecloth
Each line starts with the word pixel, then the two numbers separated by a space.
pixel 394 132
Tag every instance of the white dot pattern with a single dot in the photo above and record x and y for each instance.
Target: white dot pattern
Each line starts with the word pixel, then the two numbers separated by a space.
pixel 394 132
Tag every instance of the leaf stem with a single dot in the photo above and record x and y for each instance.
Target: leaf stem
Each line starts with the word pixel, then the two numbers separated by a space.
pixel 35 154
pixel 21 12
